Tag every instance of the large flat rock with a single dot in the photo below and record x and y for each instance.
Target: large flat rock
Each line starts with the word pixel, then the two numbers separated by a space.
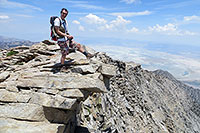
pixel 22 111
pixel 108 70
pixel 53 101
pixel 13 97
pixel 16 126
pixel 90 82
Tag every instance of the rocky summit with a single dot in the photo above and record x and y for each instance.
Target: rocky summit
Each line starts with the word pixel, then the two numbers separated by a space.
pixel 96 95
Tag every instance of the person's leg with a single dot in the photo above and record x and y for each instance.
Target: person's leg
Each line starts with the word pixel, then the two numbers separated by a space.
pixel 80 48
pixel 63 59
pixel 64 51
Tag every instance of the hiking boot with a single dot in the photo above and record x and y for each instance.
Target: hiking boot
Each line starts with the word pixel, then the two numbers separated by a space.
pixel 64 69
pixel 91 55
pixel 72 50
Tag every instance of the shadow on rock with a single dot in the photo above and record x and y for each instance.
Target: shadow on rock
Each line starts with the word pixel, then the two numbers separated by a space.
pixel 80 129
pixel 58 67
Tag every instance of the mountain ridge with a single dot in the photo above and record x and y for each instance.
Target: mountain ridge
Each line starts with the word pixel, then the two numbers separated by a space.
pixel 8 42
pixel 98 95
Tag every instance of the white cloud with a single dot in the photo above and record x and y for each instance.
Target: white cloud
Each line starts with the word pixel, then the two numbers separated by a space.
pixel 134 29
pixel 95 22
pixel 168 27
pixel 121 24
pixel 75 22
pixel 129 1
pixel 120 20
pixel 117 24
pixel 93 19
pixel 130 14
pixel 3 17
pixel 81 28
pixel 192 18
pixel 10 4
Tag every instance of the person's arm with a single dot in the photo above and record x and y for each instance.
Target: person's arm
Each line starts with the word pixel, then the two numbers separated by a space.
pixel 62 34
pixel 59 32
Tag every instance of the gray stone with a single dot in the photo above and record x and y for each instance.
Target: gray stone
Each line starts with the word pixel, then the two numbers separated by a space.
pixel 49 91
pixel 2 85
pixel 16 126
pixel 87 102
pixel 86 112
pixel 23 111
pixel 53 47
pixel 71 93
pixel 4 76
pixel 53 101
pixel 40 63
pixel 6 96
pixel 90 82
pixel 81 62
pixel 89 50
pixel 131 65
pixel 84 69
pixel 11 86
pixel 76 56
pixel 108 70
pixel 21 47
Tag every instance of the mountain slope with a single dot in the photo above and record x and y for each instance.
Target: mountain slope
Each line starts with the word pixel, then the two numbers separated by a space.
pixel 97 95
pixel 141 101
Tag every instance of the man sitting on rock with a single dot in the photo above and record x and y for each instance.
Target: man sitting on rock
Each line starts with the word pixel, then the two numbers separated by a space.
pixel 65 38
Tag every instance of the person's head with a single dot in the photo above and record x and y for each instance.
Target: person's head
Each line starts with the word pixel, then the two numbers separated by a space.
pixel 63 13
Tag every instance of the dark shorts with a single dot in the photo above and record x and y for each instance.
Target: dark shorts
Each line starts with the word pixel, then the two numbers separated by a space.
pixel 64 46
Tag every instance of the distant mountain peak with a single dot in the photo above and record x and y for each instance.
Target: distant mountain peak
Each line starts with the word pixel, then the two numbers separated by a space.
pixel 164 74
pixel 9 42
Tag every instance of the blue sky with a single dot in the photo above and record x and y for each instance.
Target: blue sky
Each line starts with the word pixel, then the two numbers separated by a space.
pixel 173 21
pixel 151 26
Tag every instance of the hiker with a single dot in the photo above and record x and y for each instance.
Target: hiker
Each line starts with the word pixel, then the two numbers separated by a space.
pixel 65 39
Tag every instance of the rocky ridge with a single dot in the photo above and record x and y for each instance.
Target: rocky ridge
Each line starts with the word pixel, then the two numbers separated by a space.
pixel 37 94
pixel 141 101
pixel 99 95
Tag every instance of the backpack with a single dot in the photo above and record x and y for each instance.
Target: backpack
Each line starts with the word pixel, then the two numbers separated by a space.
pixel 53 34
